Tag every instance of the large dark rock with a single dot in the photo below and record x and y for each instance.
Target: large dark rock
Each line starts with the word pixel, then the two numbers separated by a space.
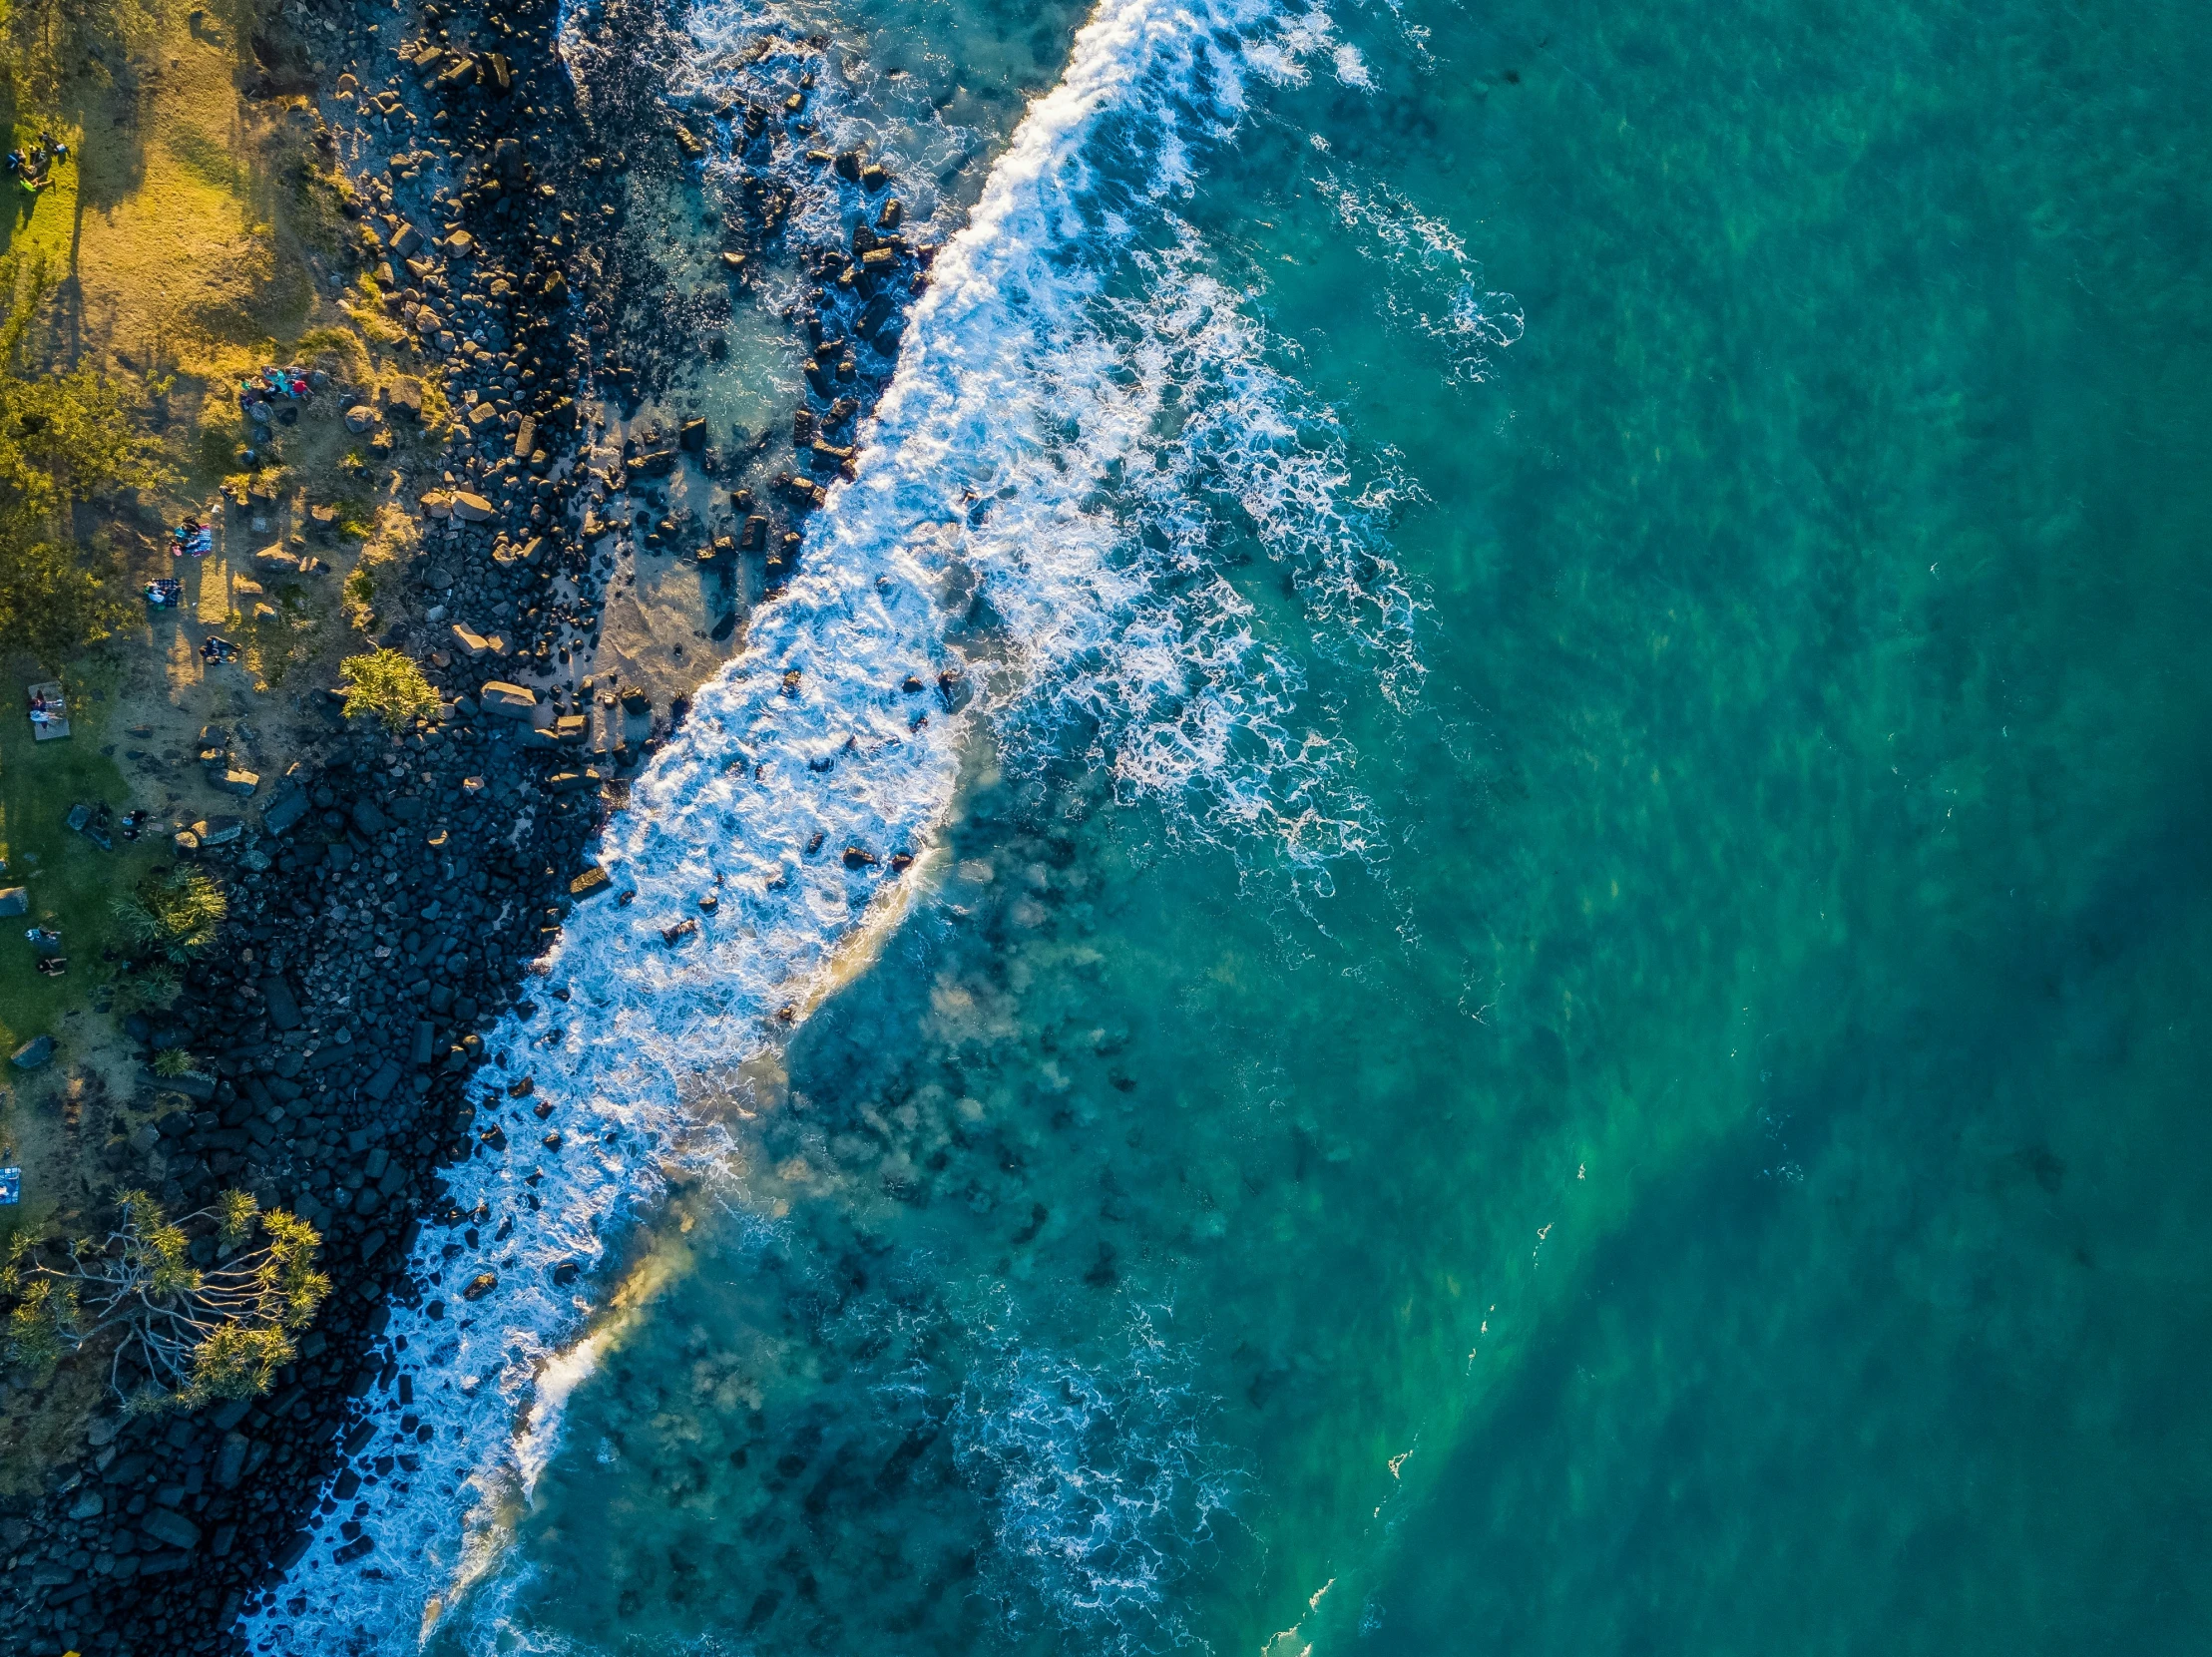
pixel 276 995
pixel 284 813
pixel 167 1526
pixel 191 1084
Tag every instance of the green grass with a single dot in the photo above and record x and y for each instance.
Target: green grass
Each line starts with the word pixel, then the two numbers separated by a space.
pixel 72 881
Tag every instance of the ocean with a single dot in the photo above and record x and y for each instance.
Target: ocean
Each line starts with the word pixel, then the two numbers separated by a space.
pixel 1547 995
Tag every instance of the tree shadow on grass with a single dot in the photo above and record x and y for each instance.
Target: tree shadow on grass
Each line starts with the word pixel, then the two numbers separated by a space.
pixel 88 70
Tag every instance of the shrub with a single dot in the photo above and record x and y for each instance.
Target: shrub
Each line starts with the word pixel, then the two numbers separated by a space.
pixel 172 1063
pixel 388 685
pixel 155 983
pixel 55 597
pixel 177 913
pixel 358 597
pixel 437 413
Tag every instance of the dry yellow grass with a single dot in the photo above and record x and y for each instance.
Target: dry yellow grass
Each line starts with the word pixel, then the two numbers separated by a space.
pixel 191 237
pixel 180 256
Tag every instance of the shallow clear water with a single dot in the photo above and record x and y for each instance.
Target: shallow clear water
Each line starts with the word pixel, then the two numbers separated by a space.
pixel 1606 1058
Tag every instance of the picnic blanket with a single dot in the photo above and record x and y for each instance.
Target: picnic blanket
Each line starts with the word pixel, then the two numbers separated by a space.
pixel 50 722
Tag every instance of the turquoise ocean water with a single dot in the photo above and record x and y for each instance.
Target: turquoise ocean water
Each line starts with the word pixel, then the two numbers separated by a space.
pixel 1570 1018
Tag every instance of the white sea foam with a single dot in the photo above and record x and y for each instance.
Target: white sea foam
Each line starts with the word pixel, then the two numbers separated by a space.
pixel 1435 287
pixel 1103 1487
pixel 1078 409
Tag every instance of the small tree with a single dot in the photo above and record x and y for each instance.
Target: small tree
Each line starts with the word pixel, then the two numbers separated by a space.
pixel 55 598
pixel 177 913
pixel 184 1335
pixel 388 685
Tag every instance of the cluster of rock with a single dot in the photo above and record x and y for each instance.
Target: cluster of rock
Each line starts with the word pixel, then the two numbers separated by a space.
pixel 745 153
pixel 472 247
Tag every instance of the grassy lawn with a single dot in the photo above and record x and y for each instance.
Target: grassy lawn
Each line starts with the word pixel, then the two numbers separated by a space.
pixel 71 880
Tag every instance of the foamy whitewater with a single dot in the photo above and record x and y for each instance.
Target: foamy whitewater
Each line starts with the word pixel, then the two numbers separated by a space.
pixel 1017 519
pixel 1108 1484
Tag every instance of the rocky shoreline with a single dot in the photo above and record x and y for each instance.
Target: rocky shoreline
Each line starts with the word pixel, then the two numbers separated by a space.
pixel 398 886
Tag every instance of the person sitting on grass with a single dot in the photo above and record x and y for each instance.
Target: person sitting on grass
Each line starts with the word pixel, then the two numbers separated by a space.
pixel 42 711
pixel 191 538
pixel 54 965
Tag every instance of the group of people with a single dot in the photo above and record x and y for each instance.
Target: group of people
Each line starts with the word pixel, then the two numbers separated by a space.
pixel 47 710
pixel 31 171
pixel 270 386
pixel 191 538
pixel 51 962
pixel 94 824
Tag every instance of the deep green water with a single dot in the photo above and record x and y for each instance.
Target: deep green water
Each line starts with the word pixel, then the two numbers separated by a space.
pixel 1728 1172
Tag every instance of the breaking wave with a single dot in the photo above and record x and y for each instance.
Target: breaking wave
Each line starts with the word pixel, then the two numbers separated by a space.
pixel 1083 442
